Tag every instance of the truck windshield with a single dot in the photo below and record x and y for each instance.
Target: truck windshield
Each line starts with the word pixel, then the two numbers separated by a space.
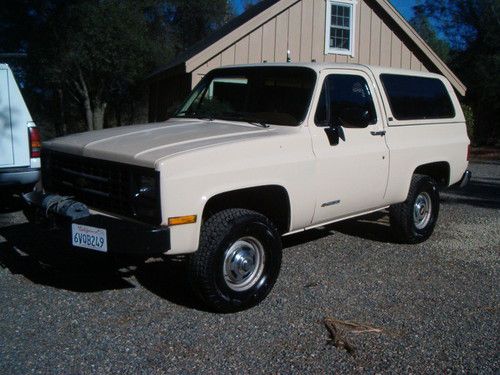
pixel 266 95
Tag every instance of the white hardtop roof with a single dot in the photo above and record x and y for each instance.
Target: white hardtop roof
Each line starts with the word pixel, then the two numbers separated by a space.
pixel 318 67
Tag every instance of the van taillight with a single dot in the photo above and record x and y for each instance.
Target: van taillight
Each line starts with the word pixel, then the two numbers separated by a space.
pixel 468 153
pixel 35 142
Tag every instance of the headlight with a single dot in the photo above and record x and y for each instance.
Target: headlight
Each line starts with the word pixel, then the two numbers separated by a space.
pixel 147 187
pixel 146 198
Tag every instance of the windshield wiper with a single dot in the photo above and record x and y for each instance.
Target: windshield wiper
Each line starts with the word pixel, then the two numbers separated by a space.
pixel 261 124
pixel 250 121
pixel 207 116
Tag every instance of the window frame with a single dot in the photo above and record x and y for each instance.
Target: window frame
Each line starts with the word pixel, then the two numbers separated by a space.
pixel 325 83
pixel 352 27
pixel 202 88
pixel 431 120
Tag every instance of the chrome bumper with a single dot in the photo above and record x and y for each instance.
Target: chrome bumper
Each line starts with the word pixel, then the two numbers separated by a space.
pixel 19 176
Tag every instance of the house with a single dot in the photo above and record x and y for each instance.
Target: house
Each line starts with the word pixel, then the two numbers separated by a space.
pixel 343 31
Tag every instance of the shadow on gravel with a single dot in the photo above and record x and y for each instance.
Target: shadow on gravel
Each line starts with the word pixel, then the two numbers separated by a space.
pixel 9 203
pixel 168 280
pixel 483 193
pixel 33 254
pixel 374 227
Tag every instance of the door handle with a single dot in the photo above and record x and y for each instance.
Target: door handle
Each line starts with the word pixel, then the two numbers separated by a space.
pixel 380 133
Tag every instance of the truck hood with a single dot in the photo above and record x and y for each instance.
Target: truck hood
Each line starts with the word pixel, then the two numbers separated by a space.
pixel 144 145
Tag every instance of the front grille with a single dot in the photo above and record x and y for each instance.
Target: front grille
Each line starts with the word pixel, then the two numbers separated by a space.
pixel 100 184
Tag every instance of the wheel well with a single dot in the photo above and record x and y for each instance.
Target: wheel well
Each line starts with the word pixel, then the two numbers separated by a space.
pixel 439 171
pixel 271 201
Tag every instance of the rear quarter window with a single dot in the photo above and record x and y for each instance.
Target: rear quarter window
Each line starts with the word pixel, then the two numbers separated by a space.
pixel 417 98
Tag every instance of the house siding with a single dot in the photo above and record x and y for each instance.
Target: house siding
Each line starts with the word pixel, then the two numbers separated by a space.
pixel 301 28
pixel 382 38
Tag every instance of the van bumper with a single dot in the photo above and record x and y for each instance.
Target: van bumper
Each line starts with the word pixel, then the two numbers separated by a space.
pixel 123 237
pixel 19 176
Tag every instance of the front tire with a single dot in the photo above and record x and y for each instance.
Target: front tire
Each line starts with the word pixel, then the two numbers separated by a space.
pixel 238 260
pixel 414 220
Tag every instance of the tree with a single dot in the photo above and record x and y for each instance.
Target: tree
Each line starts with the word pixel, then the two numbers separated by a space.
pixel 473 29
pixel 95 51
pixel 192 20
pixel 249 3
pixel 87 59
pixel 422 25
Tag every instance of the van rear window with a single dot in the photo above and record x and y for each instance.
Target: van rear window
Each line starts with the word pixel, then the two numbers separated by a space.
pixel 417 98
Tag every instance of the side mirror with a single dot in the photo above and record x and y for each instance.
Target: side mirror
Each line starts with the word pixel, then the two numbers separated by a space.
pixel 354 117
pixel 333 134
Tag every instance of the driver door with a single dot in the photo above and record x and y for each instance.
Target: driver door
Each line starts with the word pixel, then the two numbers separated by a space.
pixel 351 168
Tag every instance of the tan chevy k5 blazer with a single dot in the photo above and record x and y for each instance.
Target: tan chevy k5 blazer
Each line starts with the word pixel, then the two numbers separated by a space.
pixel 256 153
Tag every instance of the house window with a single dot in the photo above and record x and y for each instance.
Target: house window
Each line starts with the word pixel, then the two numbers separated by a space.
pixel 340 16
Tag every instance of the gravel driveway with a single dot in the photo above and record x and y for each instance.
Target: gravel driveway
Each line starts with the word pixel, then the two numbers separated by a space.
pixel 436 303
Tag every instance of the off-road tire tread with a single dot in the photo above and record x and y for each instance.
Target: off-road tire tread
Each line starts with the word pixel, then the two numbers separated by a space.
pixel 213 231
pixel 401 214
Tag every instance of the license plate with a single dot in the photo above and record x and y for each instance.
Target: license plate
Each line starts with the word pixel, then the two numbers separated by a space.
pixel 89 238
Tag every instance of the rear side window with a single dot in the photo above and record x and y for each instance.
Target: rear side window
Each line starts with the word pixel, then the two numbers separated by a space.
pixel 417 98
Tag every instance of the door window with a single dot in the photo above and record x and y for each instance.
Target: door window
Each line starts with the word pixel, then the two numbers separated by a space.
pixel 342 95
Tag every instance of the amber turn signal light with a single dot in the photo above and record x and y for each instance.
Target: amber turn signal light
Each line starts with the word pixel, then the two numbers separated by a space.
pixel 181 220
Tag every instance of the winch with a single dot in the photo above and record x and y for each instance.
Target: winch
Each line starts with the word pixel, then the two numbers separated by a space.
pixel 49 205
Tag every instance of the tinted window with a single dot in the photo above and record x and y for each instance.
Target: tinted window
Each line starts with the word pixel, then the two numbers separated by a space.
pixel 273 95
pixel 343 93
pixel 417 98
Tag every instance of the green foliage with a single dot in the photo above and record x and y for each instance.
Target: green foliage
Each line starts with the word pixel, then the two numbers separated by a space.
pixel 464 22
pixel 192 20
pixel 100 47
pixel 249 3
pixel 88 59
pixel 470 120
pixel 422 25
pixel 473 28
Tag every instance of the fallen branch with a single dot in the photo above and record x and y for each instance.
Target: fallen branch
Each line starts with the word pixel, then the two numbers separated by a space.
pixel 337 335
pixel 355 327
pixel 337 338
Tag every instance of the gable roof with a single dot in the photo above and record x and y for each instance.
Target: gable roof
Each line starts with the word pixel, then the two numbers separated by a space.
pixel 264 11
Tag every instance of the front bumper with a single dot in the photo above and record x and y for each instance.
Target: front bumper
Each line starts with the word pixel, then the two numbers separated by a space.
pixel 123 237
pixel 19 176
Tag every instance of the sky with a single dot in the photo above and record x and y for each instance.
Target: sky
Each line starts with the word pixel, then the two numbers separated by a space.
pixel 403 6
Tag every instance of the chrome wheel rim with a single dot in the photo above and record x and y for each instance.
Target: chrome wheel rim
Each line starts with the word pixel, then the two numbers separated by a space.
pixel 243 264
pixel 422 210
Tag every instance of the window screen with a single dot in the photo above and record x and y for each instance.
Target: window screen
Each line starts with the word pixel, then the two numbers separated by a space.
pixel 417 98
pixel 341 93
pixel 340 26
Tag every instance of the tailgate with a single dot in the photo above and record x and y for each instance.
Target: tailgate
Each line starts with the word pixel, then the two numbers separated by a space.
pixel 6 149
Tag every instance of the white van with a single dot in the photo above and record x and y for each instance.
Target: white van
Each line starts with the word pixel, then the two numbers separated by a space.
pixel 19 138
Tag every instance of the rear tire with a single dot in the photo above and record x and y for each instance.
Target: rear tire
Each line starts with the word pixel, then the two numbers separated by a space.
pixel 414 220
pixel 238 260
